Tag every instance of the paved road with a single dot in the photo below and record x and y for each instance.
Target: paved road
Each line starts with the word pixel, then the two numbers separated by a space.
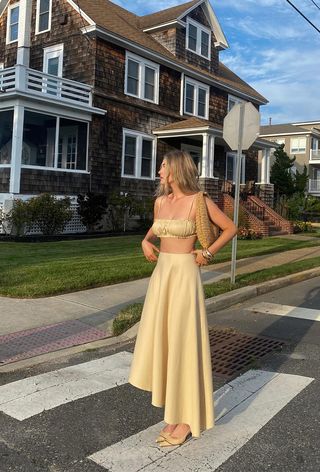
pixel 79 414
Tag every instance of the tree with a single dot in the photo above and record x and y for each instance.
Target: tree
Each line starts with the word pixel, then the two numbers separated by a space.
pixel 301 180
pixel 91 208
pixel 281 175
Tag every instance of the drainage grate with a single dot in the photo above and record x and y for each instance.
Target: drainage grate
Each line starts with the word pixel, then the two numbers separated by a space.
pixel 232 351
pixel 33 342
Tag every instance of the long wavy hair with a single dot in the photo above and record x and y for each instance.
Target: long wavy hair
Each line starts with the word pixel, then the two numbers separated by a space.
pixel 183 171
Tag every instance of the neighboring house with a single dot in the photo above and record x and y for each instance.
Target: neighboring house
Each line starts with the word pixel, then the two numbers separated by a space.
pixel 92 96
pixel 301 140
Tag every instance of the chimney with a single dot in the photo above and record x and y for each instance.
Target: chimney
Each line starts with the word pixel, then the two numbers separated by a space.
pixel 270 120
pixel 25 11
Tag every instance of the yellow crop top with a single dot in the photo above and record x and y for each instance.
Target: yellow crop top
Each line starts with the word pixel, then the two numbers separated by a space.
pixel 174 228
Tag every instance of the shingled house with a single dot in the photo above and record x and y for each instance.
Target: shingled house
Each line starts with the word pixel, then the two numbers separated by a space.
pixel 92 96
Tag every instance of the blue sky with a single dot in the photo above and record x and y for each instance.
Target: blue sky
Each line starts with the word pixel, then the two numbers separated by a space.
pixel 271 47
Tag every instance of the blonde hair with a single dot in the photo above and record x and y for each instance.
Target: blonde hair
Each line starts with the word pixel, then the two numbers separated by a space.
pixel 184 172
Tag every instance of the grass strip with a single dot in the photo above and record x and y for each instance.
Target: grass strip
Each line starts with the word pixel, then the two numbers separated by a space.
pixel 30 270
pixel 124 320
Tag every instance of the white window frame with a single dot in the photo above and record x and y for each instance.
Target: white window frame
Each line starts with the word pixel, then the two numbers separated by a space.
pixel 243 167
pixel 280 141
pixel 301 150
pixel 57 133
pixel 200 28
pixel 52 52
pixel 139 136
pixel 10 8
pixel 236 100
pixel 38 17
pixel 141 81
pixel 1 65
pixel 196 86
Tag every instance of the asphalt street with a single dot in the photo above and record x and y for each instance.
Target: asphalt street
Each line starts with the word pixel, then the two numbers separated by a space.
pixel 80 414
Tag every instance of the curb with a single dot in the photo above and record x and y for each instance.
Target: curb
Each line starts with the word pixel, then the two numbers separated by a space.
pixel 213 304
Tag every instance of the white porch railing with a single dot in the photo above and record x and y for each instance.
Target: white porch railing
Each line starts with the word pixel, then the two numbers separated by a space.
pixel 22 79
pixel 314 155
pixel 314 185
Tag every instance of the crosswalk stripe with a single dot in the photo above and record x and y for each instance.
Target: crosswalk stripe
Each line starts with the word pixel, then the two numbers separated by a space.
pixel 242 408
pixel 28 397
pixel 286 310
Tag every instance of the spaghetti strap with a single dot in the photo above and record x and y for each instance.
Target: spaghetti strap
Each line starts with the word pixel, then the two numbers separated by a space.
pixel 191 206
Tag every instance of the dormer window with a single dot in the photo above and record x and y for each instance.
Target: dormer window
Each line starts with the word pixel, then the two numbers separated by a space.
pixel 43 19
pixel 198 38
pixel 13 23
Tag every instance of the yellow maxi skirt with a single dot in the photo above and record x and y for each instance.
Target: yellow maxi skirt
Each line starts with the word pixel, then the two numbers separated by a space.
pixel 172 354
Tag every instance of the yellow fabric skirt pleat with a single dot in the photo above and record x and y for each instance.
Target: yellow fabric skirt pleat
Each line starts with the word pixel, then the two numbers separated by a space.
pixel 172 354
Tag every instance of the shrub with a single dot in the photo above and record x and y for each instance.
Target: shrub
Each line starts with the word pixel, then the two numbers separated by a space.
pixel 303 226
pixel 19 218
pixel 49 213
pixel 247 233
pixel 91 208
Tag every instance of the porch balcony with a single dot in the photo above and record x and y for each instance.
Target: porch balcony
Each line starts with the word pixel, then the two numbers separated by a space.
pixel 314 156
pixel 21 80
pixel 314 186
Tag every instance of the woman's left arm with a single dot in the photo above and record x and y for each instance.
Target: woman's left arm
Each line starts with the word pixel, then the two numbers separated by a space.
pixel 229 229
pixel 227 226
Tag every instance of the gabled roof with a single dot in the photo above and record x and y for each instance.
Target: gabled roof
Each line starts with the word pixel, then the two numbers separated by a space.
pixel 123 24
pixel 286 128
pixel 164 16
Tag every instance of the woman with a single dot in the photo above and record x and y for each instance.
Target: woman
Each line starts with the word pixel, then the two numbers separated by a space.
pixel 172 353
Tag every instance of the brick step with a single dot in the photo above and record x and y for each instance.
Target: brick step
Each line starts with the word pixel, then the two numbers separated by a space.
pixel 277 233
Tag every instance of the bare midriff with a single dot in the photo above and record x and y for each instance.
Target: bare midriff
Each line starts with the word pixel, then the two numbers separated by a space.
pixel 178 245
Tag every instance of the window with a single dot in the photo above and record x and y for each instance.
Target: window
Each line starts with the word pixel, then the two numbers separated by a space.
pixel 54 142
pixel 53 60
pixel 1 65
pixel 196 98
pixel 198 38
pixel 43 19
pixel 138 155
pixel 232 101
pixel 13 23
pixel 279 141
pixel 6 124
pixel 142 78
pixel 315 144
pixel 231 167
pixel 298 145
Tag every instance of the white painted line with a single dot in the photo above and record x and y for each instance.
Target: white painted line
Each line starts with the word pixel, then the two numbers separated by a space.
pixel 286 310
pixel 242 408
pixel 28 397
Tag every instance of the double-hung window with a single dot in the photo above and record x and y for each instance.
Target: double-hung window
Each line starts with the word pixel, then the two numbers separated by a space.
pixel 43 17
pixel 138 155
pixel 196 98
pixel 13 23
pixel 298 145
pixel 142 78
pixel 232 101
pixel 198 38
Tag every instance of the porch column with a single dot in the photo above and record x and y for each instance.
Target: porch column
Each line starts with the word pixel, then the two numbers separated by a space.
pixel 16 153
pixel 265 166
pixel 211 155
pixel 207 155
pixel 23 54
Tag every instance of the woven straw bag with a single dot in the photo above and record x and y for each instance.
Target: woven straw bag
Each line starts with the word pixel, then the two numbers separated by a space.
pixel 207 232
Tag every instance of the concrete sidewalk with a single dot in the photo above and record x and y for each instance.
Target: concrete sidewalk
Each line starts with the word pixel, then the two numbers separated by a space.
pixel 97 307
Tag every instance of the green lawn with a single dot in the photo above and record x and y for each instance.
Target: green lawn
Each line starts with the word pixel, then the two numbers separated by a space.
pixel 42 269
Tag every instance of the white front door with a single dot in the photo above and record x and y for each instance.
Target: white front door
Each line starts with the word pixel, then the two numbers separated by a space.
pixel 231 167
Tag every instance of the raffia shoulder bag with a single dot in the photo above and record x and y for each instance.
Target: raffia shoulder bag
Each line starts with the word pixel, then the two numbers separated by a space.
pixel 207 232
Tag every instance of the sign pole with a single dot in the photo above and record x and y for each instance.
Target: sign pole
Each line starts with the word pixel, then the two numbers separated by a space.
pixel 237 192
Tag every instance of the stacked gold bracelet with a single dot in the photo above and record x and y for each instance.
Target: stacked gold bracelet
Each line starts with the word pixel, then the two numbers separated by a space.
pixel 207 254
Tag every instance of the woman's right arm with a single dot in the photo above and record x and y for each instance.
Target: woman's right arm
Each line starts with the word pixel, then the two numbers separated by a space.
pixel 148 247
